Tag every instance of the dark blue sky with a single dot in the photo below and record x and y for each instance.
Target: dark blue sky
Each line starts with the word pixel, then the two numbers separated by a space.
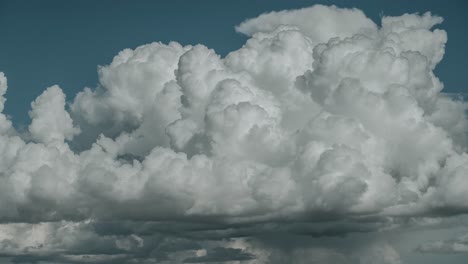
pixel 61 42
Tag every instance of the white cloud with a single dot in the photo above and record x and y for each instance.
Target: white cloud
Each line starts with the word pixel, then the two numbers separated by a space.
pixel 320 113
pixel 320 23
pixel 50 121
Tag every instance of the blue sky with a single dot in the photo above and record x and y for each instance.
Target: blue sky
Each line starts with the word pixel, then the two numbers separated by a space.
pixel 62 42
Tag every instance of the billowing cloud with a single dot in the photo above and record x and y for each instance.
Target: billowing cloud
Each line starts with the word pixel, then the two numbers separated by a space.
pixel 322 124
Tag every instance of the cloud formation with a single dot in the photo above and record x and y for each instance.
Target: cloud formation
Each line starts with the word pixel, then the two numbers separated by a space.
pixel 322 121
pixel 458 245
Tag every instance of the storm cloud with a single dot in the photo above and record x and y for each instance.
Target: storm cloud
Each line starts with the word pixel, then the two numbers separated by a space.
pixel 324 125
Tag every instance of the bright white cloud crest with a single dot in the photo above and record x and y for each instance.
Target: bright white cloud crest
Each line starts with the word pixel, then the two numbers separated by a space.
pixel 320 112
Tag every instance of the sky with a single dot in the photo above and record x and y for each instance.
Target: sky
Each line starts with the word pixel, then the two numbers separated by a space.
pixel 55 42
pixel 245 132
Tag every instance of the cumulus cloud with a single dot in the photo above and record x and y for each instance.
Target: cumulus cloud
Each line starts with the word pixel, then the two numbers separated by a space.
pixel 50 121
pixel 322 124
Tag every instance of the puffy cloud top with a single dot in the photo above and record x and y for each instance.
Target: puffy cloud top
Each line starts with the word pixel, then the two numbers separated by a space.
pixel 50 121
pixel 320 23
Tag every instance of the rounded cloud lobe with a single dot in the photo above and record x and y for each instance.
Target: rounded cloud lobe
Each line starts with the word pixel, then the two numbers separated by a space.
pixel 322 120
